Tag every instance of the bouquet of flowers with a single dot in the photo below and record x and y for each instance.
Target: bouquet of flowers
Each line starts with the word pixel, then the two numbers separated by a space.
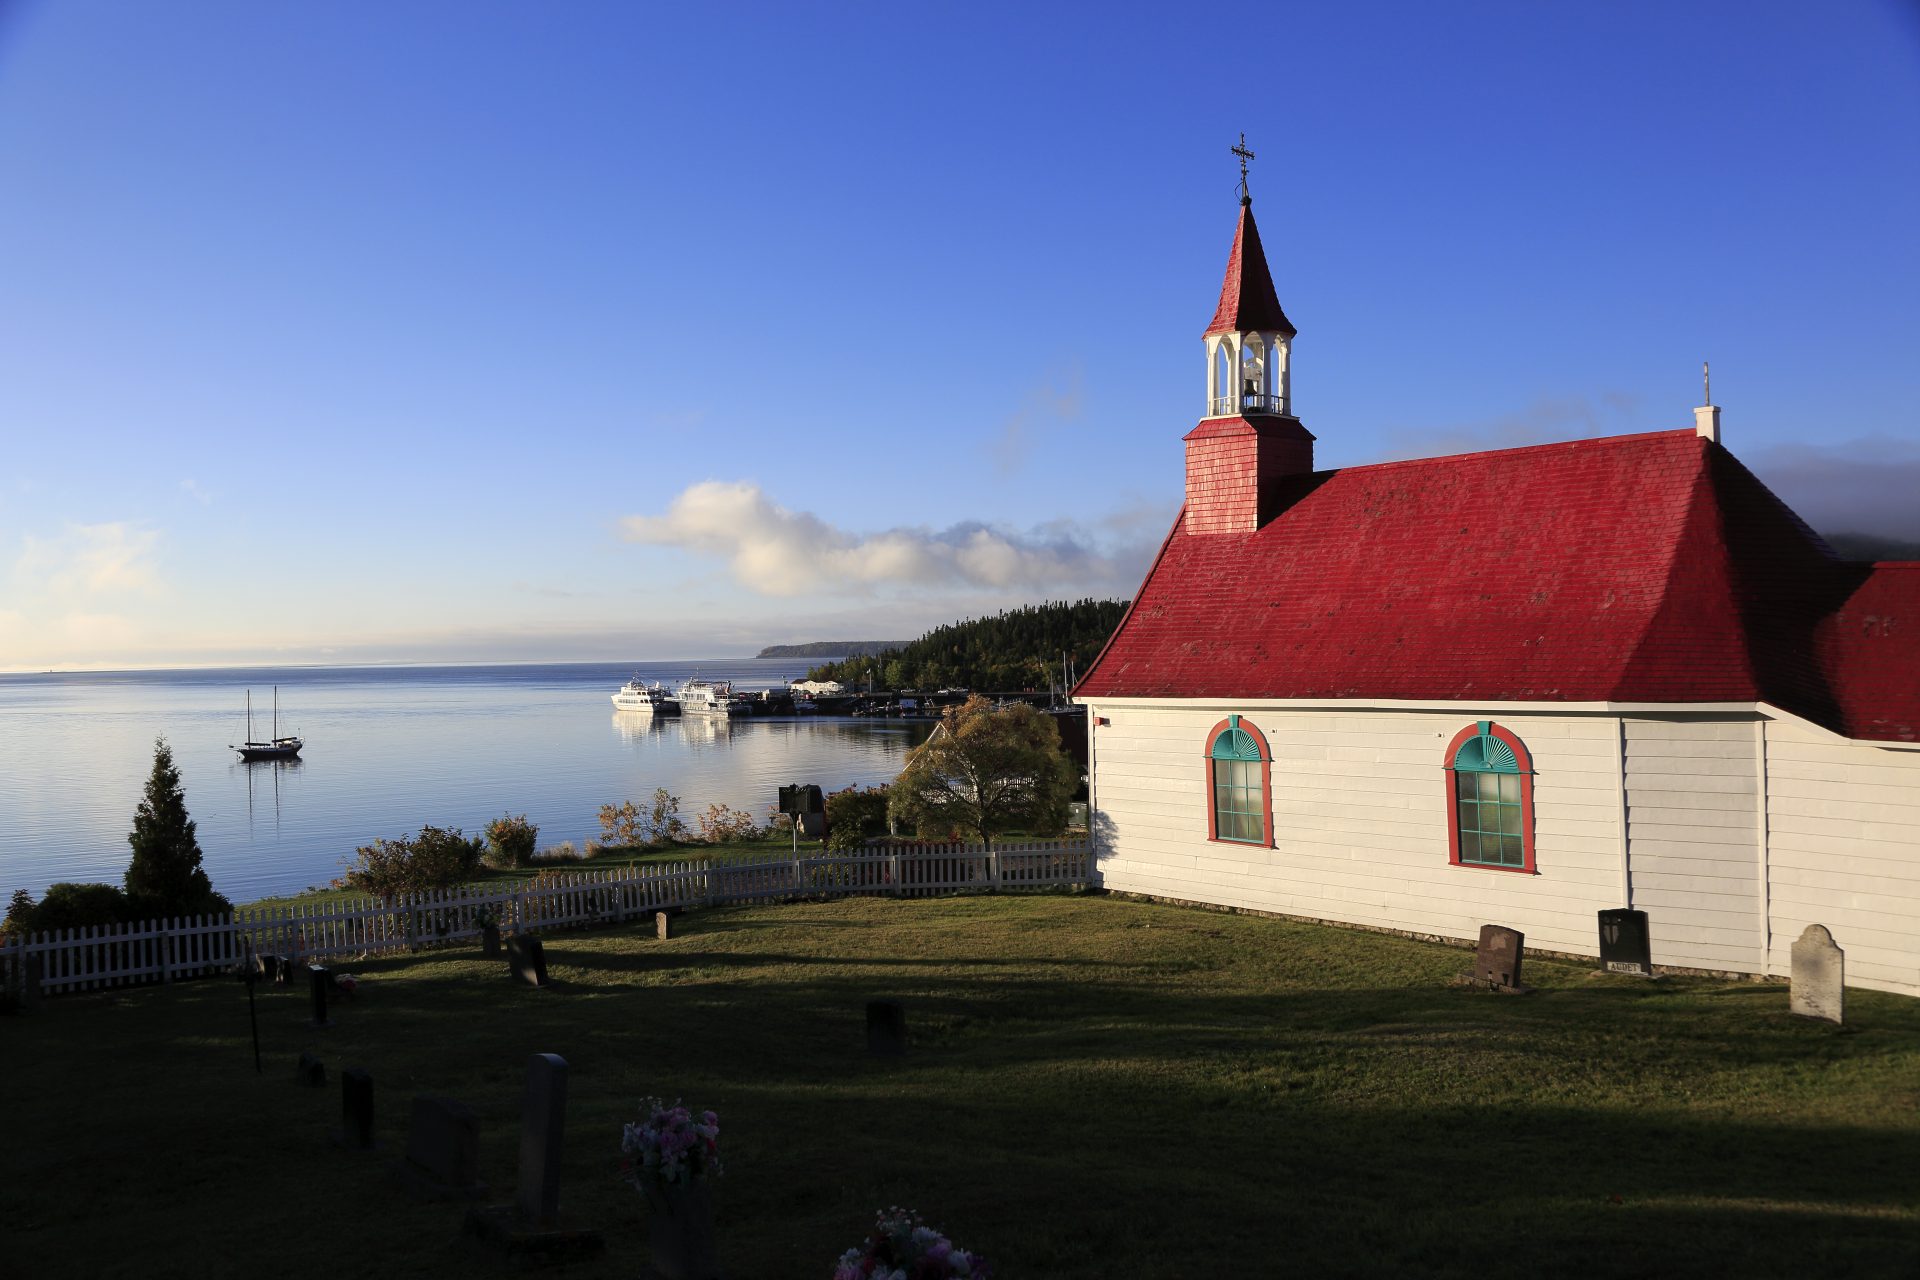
pixel 672 1145
pixel 902 1247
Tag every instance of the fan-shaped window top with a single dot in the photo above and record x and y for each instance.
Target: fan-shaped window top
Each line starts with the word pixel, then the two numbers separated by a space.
pixel 1490 799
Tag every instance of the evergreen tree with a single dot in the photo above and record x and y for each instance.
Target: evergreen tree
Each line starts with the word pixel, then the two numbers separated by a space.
pixel 165 877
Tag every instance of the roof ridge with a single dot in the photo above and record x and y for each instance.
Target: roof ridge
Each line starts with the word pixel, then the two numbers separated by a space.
pixel 1623 438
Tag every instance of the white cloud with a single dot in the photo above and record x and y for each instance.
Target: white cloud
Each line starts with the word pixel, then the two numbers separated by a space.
pixel 1015 441
pixel 91 559
pixel 192 489
pixel 1545 421
pixel 779 552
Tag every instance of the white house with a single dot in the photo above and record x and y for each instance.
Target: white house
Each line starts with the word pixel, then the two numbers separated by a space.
pixel 1514 687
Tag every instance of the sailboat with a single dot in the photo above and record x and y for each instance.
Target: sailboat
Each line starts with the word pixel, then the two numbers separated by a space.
pixel 287 748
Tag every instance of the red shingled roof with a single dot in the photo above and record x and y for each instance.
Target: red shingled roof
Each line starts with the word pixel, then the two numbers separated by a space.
pixel 1649 568
pixel 1247 299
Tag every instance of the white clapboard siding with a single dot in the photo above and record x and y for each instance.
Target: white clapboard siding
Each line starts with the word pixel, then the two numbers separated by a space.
pixel 1360 821
pixel 1843 846
pixel 73 960
pixel 1693 819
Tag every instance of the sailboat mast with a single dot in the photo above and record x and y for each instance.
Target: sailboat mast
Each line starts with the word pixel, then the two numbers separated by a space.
pixel 276 713
pixel 249 715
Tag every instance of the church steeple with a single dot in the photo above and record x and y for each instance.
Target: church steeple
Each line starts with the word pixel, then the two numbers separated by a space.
pixel 1249 439
pixel 1250 338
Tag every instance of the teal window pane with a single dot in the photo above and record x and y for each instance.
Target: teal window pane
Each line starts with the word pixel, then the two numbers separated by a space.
pixel 1509 786
pixel 1510 819
pixel 1467 785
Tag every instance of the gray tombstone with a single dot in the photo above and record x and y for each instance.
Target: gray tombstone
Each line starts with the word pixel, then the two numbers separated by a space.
pixel 543 1122
pixel 1497 960
pixel 443 1149
pixel 356 1109
pixel 661 928
pixel 527 958
pixel 310 1071
pixel 490 941
pixel 1818 988
pixel 886 1028
pixel 319 982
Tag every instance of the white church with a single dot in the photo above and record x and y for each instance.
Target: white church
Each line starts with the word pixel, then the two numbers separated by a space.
pixel 1515 687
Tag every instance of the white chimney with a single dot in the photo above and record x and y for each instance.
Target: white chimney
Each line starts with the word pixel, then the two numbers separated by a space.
pixel 1706 422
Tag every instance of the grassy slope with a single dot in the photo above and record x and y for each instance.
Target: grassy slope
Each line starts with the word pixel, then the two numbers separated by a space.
pixel 1095 1088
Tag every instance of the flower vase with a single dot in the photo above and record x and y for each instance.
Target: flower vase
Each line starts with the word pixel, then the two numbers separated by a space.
pixel 680 1229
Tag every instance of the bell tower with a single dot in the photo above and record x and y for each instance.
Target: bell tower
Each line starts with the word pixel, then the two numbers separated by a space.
pixel 1249 435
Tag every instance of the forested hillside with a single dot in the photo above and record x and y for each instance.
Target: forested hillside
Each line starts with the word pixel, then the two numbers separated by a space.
pixel 1018 649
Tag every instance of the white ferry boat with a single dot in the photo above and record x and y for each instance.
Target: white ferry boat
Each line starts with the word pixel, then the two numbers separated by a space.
pixel 711 698
pixel 649 699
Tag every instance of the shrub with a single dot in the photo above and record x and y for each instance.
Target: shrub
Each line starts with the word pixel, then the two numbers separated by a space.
pixel 629 826
pixel 556 855
pixel 721 825
pixel 74 906
pixel 437 858
pixel 510 841
pixel 855 814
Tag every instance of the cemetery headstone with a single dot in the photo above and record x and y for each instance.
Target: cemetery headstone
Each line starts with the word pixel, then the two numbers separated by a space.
pixel 527 958
pixel 490 941
pixel 1818 987
pixel 1626 946
pixel 530 1232
pixel 543 1122
pixel 319 982
pixel 310 1071
pixel 1497 960
pixel 661 929
pixel 443 1149
pixel 886 1028
pixel 356 1109
pixel 32 976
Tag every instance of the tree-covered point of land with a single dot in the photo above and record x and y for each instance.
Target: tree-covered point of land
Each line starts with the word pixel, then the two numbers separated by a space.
pixel 1017 649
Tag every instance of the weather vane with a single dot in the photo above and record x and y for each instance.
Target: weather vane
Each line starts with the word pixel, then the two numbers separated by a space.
pixel 1245 155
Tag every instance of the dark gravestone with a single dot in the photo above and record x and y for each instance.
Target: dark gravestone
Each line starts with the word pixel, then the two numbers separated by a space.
pixel 319 982
pixel 661 929
pixel 529 1233
pixel 490 941
pixel 886 1028
pixel 443 1149
pixel 543 1122
pixel 1497 961
pixel 32 975
pixel 527 959
pixel 356 1109
pixel 310 1071
pixel 1626 946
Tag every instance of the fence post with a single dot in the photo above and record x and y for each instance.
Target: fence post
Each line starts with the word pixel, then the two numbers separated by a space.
pixel 893 873
pixel 799 877
pixel 993 868
pixel 165 926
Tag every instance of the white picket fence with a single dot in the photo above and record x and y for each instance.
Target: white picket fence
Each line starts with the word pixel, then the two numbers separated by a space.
pixel 104 956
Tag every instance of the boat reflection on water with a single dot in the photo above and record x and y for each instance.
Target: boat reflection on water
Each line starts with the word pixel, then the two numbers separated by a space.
pixel 639 726
pixel 706 731
pixel 275 766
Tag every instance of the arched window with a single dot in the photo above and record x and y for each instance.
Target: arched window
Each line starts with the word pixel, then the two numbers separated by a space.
pixel 1239 784
pixel 1224 392
pixel 1490 799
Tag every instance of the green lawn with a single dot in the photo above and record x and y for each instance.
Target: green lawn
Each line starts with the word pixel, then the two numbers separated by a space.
pixel 1095 1088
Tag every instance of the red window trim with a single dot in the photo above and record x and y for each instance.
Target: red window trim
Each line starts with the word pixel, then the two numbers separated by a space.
pixel 1266 784
pixel 1525 760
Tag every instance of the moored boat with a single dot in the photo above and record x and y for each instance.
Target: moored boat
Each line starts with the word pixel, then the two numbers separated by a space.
pixel 277 747
pixel 712 698
pixel 648 699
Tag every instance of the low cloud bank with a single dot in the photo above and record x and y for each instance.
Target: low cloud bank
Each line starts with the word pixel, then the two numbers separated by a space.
pixel 1868 485
pixel 779 552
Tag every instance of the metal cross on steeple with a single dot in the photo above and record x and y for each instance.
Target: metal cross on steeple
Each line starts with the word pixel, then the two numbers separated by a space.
pixel 1245 155
pixel 1706 382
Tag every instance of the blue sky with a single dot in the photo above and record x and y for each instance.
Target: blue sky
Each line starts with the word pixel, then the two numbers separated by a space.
pixel 510 331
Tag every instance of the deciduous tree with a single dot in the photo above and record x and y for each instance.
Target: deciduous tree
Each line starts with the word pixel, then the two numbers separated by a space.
pixel 984 772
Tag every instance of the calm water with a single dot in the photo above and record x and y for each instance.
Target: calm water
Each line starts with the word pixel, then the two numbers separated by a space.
pixel 388 748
